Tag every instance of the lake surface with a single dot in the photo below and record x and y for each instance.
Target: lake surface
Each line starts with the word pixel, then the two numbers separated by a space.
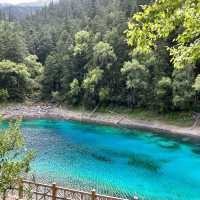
pixel 115 161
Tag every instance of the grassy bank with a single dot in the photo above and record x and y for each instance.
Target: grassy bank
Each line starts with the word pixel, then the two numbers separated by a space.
pixel 183 119
pixel 172 118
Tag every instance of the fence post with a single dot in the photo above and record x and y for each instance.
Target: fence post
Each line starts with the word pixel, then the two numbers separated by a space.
pixel 135 198
pixel 21 189
pixel 54 190
pixel 93 194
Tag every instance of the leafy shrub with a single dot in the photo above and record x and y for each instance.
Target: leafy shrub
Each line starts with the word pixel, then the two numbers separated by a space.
pixel 3 95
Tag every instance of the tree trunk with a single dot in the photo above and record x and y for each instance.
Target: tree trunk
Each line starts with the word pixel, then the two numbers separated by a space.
pixel 4 195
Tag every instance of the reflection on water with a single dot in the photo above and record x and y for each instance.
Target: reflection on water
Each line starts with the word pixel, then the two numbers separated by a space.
pixel 115 161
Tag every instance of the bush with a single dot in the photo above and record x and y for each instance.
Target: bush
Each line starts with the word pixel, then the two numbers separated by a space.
pixel 14 161
pixel 56 97
pixel 3 95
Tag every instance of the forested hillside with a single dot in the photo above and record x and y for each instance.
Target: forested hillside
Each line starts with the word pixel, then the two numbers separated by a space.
pixel 76 52
pixel 11 12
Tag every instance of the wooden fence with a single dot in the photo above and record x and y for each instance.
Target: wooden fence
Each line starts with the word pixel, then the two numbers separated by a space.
pixel 29 190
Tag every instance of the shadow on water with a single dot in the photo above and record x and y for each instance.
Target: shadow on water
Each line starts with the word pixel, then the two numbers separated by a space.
pixel 196 151
pixel 144 162
pixel 101 158
pixel 181 139
pixel 92 154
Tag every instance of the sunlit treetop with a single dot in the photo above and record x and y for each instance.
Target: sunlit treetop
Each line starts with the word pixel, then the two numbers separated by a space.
pixel 9 67
pixel 92 79
pixel 162 18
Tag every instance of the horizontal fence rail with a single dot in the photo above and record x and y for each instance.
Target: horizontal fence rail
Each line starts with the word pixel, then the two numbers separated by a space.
pixel 29 190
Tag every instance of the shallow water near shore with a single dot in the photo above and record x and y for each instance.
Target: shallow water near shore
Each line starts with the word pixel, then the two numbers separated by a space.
pixel 114 161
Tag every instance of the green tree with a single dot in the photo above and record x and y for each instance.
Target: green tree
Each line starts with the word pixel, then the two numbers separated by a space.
pixel 12 43
pixel 104 55
pixel 91 85
pixel 196 88
pixel 16 79
pixel 74 92
pixel 14 162
pixel 92 79
pixel 82 53
pixel 137 81
pixel 196 85
pixel 33 66
pixel 160 20
pixel 183 93
pixel 4 95
pixel 164 94
pixel 44 45
pixel 82 43
pixel 104 95
pixel 51 81
pixel 36 71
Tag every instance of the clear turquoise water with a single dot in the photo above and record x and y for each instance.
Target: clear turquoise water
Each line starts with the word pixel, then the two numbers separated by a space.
pixel 115 161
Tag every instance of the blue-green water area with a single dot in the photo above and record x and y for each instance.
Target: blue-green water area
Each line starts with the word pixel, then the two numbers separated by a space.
pixel 114 161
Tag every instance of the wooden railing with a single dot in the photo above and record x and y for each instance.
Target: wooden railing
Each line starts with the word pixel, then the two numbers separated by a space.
pixel 29 190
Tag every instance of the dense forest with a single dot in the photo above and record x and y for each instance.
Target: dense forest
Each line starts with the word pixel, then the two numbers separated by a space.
pixel 11 13
pixel 104 52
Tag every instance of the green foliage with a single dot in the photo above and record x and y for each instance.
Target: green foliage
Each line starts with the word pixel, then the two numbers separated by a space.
pixel 13 68
pixel 175 23
pixel 92 79
pixel 56 97
pixel 196 85
pixel 104 55
pixel 15 78
pixel 104 94
pixel 72 36
pixel 65 43
pixel 82 41
pixel 159 20
pixel 137 80
pixel 14 162
pixel 75 90
pixel 87 59
pixel 163 86
pixel 41 43
pixel 4 95
pixel 134 71
pixel 35 70
pixel 12 43
pixel 51 77
pixel 164 94
pixel 34 67
pixel 183 94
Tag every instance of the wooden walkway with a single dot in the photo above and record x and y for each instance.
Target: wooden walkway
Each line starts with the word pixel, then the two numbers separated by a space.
pixel 29 190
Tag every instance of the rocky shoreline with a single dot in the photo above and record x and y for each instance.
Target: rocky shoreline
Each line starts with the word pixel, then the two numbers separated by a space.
pixel 39 111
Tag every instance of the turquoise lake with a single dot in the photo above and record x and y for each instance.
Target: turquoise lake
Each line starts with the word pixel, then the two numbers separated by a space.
pixel 114 161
